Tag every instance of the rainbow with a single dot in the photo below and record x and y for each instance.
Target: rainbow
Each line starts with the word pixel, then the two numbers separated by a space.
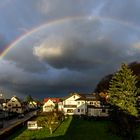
pixel 53 22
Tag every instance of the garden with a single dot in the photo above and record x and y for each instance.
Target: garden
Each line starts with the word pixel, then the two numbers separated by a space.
pixel 72 128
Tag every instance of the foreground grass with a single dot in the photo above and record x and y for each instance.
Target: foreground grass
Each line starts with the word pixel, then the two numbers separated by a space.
pixel 88 130
pixel 25 134
pixel 70 129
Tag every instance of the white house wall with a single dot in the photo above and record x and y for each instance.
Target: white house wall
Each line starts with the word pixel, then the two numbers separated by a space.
pixel 95 103
pixel 81 107
pixel 76 106
pixel 71 100
pixel 14 105
pixel 70 104
pixel 97 112
pixel 48 106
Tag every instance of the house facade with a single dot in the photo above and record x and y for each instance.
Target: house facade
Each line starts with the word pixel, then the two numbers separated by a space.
pixel 15 105
pixel 32 105
pixel 71 105
pixel 50 104
pixel 82 104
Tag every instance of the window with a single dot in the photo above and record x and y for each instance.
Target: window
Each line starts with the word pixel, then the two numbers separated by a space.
pixel 78 110
pixel 78 103
pixel 82 110
pixel 69 110
pixel 91 103
pixel 17 109
pixel 103 110
pixel 82 102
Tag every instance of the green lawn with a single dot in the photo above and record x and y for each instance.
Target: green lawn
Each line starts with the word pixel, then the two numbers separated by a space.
pixel 70 129
pixel 87 130
pixel 25 134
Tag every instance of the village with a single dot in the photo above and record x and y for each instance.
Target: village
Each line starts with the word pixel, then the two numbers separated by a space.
pixel 74 104
pixel 91 105
pixel 51 113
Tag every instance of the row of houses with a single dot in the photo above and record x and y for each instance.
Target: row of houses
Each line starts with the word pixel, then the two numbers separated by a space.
pixel 16 105
pixel 77 104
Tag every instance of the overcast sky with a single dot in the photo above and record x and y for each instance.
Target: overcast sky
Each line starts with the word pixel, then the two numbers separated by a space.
pixel 73 45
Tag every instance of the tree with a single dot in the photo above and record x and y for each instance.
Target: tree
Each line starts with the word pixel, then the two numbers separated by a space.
pixel 103 85
pixel 123 96
pixel 29 98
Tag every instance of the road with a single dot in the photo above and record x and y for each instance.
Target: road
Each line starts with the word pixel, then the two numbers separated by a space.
pixel 11 123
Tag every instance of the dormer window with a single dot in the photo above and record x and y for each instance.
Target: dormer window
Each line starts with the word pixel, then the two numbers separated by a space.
pixel 91 103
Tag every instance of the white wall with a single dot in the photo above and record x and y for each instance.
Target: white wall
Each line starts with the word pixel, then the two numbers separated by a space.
pixel 48 106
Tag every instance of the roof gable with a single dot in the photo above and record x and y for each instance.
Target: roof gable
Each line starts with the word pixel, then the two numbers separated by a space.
pixel 54 100
pixel 15 99
pixel 73 96
pixel 49 102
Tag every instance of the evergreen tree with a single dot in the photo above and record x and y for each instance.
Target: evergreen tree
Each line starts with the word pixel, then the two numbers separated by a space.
pixel 123 96
pixel 123 91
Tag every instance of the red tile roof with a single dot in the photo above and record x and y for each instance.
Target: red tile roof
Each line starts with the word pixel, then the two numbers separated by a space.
pixel 55 100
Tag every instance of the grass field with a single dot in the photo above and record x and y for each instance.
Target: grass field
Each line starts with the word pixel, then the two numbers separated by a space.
pixel 25 134
pixel 70 129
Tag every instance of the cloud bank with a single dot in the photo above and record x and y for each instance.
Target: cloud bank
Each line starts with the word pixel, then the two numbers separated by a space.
pixel 70 55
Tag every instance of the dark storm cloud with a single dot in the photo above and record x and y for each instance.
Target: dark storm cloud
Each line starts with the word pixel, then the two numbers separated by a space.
pixel 126 10
pixel 29 14
pixel 70 58
pixel 54 81
pixel 87 45
pixel 27 62
pixel 78 55
pixel 72 55
pixel 23 58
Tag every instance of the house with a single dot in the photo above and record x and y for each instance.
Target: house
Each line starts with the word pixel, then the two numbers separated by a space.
pixel 95 107
pixel 82 104
pixel 70 104
pixel 54 100
pixel 15 105
pixel 32 105
pixel 73 104
pixel 50 104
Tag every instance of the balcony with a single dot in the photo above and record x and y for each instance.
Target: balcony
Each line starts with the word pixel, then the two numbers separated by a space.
pixel 70 106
